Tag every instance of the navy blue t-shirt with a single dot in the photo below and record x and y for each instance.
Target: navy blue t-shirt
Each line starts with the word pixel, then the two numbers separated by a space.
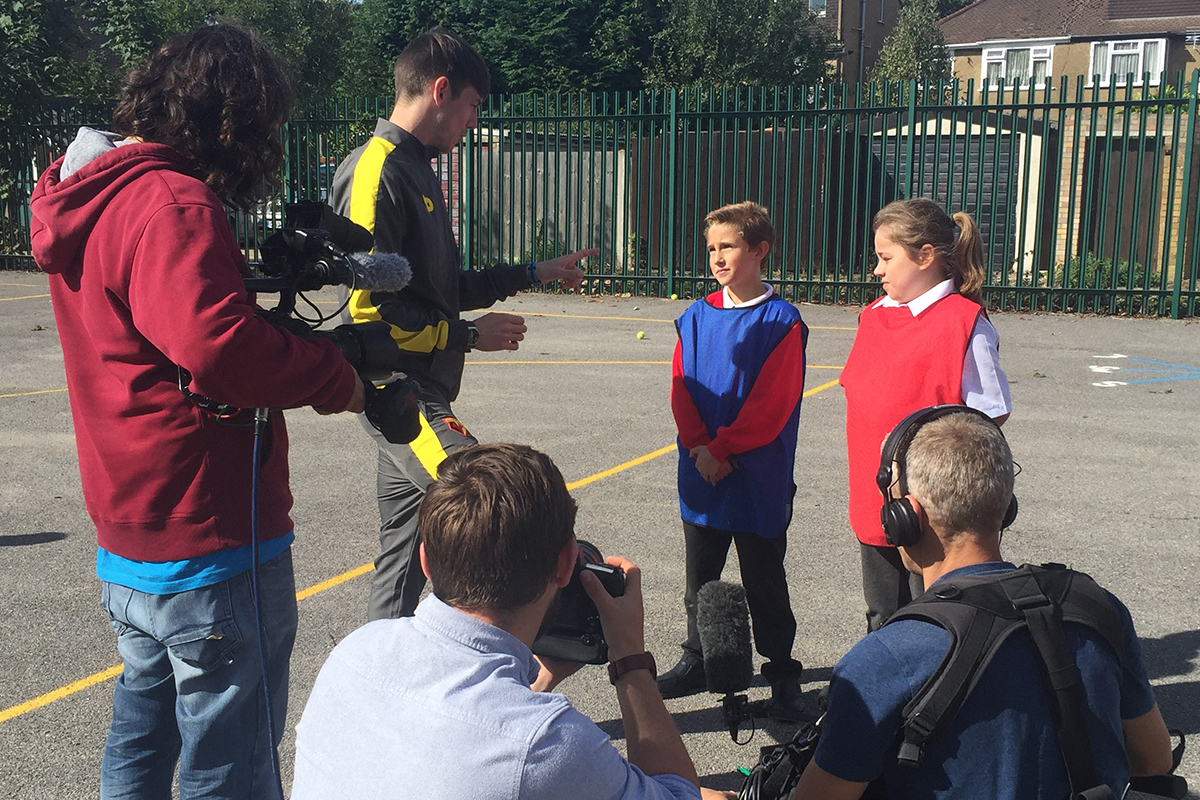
pixel 1002 744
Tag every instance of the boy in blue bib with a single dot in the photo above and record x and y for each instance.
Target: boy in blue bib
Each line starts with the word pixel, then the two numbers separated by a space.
pixel 738 377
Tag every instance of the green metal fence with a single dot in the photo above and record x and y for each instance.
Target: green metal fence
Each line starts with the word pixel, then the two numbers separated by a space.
pixel 1086 196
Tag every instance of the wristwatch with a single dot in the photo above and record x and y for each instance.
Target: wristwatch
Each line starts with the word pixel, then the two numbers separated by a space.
pixel 629 663
pixel 472 336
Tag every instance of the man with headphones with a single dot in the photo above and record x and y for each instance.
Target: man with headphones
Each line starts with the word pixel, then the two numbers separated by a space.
pixel 946 475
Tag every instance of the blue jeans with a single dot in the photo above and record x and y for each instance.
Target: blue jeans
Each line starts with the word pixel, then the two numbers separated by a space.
pixel 191 688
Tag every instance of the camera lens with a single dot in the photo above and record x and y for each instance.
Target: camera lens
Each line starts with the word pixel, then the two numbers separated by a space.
pixel 589 553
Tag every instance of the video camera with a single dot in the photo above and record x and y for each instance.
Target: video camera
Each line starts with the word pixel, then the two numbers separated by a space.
pixel 576 633
pixel 310 253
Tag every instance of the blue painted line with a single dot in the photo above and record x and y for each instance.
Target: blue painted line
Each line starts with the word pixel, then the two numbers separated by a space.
pixel 1165 364
pixel 1163 371
pixel 1164 380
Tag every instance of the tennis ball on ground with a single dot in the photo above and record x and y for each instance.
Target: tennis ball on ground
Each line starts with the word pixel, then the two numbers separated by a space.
pixel 641 334
pixel 674 297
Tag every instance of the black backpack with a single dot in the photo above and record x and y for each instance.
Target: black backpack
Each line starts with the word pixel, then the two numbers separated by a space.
pixel 981 612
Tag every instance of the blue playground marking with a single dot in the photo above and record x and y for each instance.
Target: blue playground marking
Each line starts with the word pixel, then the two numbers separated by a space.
pixel 1188 373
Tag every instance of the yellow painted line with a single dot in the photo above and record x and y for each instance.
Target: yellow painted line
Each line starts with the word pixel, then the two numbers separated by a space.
pixel 22 285
pixel 28 394
pixel 58 694
pixel 622 467
pixel 334 581
pixel 609 363
pixel 521 313
pixel 25 297
pixel 823 386
pixel 112 672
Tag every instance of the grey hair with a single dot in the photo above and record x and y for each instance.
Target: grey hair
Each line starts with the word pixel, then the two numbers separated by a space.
pixel 961 470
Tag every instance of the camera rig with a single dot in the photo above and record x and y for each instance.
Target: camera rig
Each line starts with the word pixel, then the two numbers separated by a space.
pixel 307 255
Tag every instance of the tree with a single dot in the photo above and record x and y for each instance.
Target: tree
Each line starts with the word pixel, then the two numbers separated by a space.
pixel 89 49
pixel 529 45
pixel 916 49
pixel 745 42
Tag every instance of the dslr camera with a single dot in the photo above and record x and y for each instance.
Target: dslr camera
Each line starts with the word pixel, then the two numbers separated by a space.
pixel 576 634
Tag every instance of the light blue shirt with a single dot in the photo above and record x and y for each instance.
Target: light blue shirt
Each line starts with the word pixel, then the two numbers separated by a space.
pixel 438 707
pixel 171 577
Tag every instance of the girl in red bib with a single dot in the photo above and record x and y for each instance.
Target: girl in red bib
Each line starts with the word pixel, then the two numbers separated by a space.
pixel 926 342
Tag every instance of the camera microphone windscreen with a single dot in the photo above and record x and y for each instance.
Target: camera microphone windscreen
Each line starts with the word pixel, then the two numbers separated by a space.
pixel 381 272
pixel 723 620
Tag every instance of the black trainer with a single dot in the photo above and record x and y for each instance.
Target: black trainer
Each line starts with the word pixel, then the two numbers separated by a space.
pixel 683 679
pixel 787 701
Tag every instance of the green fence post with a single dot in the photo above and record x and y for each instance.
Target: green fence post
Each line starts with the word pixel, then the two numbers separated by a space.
pixel 466 190
pixel 1181 243
pixel 671 122
pixel 910 147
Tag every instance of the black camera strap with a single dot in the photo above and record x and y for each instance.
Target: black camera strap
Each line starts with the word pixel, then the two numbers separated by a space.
pixel 261 430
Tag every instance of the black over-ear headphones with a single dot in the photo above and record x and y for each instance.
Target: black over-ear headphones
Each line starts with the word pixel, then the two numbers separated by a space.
pixel 900 523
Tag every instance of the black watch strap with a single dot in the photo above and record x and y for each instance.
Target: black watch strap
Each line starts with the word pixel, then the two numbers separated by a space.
pixel 472 336
pixel 629 663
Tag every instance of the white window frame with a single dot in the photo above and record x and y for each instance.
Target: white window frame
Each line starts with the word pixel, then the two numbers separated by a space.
pixel 1138 46
pixel 997 53
pixel 820 10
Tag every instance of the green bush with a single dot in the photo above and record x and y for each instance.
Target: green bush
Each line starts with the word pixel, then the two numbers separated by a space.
pixel 1104 286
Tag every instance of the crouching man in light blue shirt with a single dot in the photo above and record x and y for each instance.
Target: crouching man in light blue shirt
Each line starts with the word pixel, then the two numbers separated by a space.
pixel 452 704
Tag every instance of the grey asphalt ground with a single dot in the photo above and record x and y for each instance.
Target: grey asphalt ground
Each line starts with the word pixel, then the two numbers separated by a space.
pixel 1107 485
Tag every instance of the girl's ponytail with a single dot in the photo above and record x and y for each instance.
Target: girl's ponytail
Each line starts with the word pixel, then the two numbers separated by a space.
pixel 966 266
pixel 919 221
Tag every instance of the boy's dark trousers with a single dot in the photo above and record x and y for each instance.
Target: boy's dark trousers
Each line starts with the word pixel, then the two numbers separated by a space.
pixel 887 585
pixel 763 576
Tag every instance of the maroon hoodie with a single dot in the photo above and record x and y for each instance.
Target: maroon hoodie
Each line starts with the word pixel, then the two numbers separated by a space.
pixel 145 277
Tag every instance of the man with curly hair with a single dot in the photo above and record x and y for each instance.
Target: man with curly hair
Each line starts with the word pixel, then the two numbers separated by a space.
pixel 166 360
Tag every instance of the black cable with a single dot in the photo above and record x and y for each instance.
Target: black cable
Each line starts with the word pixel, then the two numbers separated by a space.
pixel 261 416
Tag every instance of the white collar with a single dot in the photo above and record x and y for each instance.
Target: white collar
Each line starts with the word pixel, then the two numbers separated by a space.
pixel 727 301
pixel 943 289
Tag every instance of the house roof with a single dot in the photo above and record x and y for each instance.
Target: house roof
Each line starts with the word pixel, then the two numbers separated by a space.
pixel 989 20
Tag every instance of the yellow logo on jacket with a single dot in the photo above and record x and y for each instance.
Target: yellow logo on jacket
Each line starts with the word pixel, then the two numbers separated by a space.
pixel 428 204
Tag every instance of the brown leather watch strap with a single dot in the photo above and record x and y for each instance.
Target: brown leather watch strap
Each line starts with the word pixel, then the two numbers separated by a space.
pixel 629 663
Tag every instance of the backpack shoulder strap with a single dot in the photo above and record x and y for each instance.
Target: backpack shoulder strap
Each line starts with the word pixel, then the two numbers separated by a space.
pixel 981 612
pixel 979 619
pixel 1084 602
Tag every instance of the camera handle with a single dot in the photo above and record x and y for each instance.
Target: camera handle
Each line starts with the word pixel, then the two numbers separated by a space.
pixel 393 409
pixel 261 416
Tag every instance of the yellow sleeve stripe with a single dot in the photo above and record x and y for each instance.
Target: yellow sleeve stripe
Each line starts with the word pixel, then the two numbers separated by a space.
pixel 364 187
pixel 426 340
pixel 364 198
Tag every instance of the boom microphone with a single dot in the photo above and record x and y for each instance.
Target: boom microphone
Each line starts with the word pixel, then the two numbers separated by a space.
pixel 723 621
pixel 381 272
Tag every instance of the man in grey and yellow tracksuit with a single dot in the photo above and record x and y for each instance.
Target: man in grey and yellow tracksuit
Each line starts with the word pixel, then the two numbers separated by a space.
pixel 388 187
